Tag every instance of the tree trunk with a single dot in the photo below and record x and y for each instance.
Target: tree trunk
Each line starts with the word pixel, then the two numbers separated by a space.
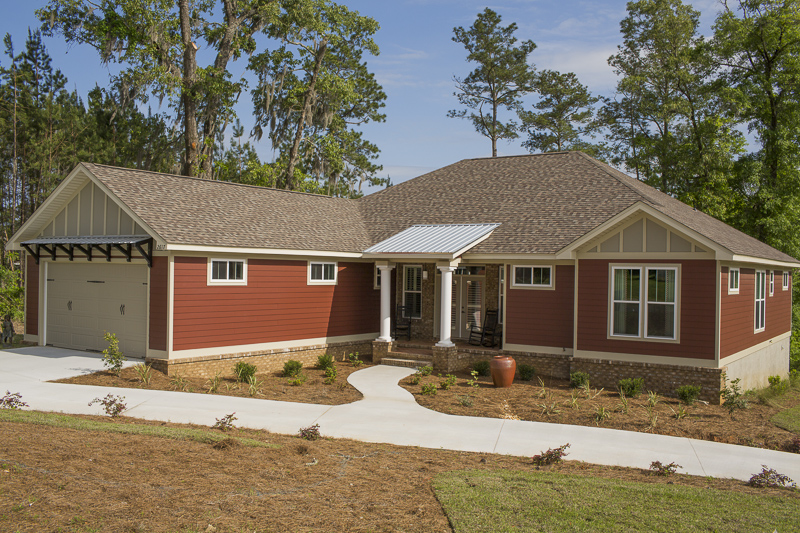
pixel 494 126
pixel 295 150
pixel 188 94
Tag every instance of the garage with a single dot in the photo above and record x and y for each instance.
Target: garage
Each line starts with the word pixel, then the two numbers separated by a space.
pixel 86 299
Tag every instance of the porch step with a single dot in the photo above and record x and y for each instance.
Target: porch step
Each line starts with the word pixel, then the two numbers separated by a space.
pixel 409 363
pixel 412 353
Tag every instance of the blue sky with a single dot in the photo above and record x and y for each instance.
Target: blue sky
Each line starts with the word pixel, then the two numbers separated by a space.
pixel 416 66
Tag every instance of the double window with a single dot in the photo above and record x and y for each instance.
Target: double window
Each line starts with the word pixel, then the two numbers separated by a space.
pixel 761 300
pixel 227 272
pixel 321 273
pixel 644 308
pixel 412 290
pixel 532 276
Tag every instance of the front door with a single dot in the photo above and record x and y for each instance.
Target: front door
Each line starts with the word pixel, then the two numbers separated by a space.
pixel 467 304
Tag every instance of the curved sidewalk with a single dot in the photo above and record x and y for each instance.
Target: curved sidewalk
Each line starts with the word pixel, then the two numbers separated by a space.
pixel 387 413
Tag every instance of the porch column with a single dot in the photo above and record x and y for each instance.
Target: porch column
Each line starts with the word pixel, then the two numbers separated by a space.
pixel 445 306
pixel 386 302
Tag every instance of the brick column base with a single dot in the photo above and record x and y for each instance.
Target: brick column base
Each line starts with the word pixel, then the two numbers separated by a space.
pixel 380 349
pixel 445 359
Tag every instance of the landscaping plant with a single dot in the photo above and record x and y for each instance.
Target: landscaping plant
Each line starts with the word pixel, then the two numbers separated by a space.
pixel 354 360
pixel 310 433
pixel 325 361
pixel 429 389
pixel 292 368
pixel 214 383
pixel 768 477
pixel 112 405
pixel 659 469
pixel 448 381
pixel 732 396
pixel 225 423
pixel 113 358
pixel 578 380
pixel 144 373
pixel 601 414
pixel 254 386
pixel 688 394
pixel 243 371
pixel 465 400
pixel 297 380
pixel 631 387
pixel 526 372
pixel 12 401
pixel 425 370
pixel 474 381
pixel 551 456
pixel 178 382
pixel 482 367
pixel 330 375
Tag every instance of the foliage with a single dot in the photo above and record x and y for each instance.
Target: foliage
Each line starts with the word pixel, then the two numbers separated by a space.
pixel 113 358
pixel 659 469
pixel 254 385
pixel 310 433
pixel 501 78
pixel 732 396
pixel 578 380
pixel 354 360
pixel 225 423
pixel 298 379
pixel 652 398
pixel 624 404
pixel 330 375
pixel 465 400
pixel 11 292
pixel 448 381
pixel 214 383
pixel 482 368
pixel 244 371
pixel 681 413
pixel 325 361
pixel 549 408
pixel 526 372
pixel 425 370
pixel 473 381
pixel 144 373
pixel 551 456
pixel 601 414
pixel 178 382
pixel 12 401
pixel 113 405
pixel 429 389
pixel 768 477
pixel 688 394
pixel 631 387
pixel 778 385
pixel 292 368
pixel 794 445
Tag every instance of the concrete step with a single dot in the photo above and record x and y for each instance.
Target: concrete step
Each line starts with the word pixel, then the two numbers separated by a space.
pixel 409 363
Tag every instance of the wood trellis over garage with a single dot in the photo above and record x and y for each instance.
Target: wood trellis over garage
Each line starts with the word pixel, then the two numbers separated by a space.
pixel 86 244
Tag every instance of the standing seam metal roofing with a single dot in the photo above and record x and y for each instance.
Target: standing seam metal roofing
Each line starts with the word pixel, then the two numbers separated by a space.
pixel 432 239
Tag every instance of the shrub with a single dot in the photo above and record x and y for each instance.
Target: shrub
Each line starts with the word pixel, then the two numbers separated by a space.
pixel 214 383
pixel 482 367
pixel 244 371
pixel 292 368
pixel 526 372
pixel 178 382
pixel 601 414
pixel 770 478
pixel 310 433
pixel 429 389
pixel 12 401
pixel 778 385
pixel 473 382
pixel 658 469
pixel 325 361
pixel 578 380
pixel 465 400
pixel 688 394
pixel 225 423
pixel 354 360
pixel 112 405
pixel 113 358
pixel 330 375
pixel 732 396
pixel 297 380
pixel 425 370
pixel 631 387
pixel 144 373
pixel 551 456
pixel 448 381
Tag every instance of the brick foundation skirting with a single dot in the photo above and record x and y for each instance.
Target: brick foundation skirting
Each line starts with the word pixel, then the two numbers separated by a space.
pixel 265 360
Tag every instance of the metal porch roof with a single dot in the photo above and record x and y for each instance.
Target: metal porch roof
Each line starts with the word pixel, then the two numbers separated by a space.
pixel 449 239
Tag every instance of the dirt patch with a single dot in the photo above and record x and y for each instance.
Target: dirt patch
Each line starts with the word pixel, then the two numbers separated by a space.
pixel 56 479
pixel 271 386
pixel 557 403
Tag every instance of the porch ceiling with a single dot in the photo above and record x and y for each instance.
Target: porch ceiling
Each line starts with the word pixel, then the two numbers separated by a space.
pixel 445 240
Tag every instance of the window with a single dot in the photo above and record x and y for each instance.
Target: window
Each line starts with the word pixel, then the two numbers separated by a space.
pixel 376 281
pixel 322 273
pixel 786 281
pixel 761 286
pixel 412 290
pixel 532 276
pixel 772 282
pixel 227 272
pixel 659 301
pixel 733 281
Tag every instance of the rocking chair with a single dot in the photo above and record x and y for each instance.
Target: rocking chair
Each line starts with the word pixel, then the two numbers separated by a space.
pixel 402 322
pixel 490 334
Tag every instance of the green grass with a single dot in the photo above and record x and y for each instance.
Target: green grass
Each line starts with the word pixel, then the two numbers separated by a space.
pixel 498 501
pixel 164 432
pixel 788 419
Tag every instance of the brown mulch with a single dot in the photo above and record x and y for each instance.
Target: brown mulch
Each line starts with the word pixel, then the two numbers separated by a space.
pixel 55 479
pixel 553 402
pixel 273 385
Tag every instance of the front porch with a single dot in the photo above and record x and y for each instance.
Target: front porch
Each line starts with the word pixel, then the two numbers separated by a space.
pixel 425 352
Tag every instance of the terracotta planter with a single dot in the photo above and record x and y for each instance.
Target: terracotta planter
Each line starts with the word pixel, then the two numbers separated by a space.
pixel 503 369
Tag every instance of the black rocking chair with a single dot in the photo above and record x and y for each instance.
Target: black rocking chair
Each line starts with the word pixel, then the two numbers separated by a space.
pixel 490 334
pixel 402 322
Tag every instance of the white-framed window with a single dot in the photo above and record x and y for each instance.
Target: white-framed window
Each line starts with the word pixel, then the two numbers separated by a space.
pixel 644 308
pixel 227 271
pixel 785 280
pixel 501 285
pixel 412 289
pixel 771 282
pixel 320 273
pixel 733 281
pixel 376 278
pixel 532 276
pixel 761 301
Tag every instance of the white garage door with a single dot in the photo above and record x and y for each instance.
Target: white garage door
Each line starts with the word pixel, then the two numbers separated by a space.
pixel 84 300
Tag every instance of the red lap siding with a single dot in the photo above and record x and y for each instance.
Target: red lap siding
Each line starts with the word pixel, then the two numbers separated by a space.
pixel 543 317
pixel 276 305
pixel 31 296
pixel 697 311
pixel 159 303
pixel 737 328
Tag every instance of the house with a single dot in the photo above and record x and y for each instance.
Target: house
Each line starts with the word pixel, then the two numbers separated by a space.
pixel 590 270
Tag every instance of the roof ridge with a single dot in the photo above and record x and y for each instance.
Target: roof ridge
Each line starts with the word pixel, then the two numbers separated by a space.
pixel 604 167
pixel 562 152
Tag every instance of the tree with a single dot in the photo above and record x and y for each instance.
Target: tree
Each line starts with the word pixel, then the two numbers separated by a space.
pixel 502 77
pixel 564 115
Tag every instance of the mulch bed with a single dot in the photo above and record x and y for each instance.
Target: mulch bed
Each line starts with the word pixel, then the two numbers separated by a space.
pixel 55 479
pixel 553 402
pixel 273 385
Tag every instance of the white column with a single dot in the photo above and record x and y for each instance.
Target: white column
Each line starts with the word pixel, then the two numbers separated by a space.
pixel 386 302
pixel 445 307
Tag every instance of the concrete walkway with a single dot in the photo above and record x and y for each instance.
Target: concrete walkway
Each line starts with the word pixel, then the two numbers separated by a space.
pixel 387 413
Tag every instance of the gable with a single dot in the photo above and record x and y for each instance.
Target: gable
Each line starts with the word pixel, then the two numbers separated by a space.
pixel 643 235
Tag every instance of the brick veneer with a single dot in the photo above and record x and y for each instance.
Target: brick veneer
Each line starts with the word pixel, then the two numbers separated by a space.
pixel 380 349
pixel 265 361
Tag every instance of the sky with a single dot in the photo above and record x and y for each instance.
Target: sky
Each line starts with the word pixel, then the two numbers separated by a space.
pixel 416 66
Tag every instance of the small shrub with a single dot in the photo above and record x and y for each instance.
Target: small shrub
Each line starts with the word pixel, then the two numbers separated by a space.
pixel 448 381
pixel 465 400
pixel 624 404
pixel 551 456
pixel 225 423
pixel 297 380
pixel 474 381
pixel 777 385
pixel 732 396
pixel 178 382
pixel 325 361
pixel 113 358
pixel 243 371
pixel 526 372
pixel 681 413
pixel 112 405
pixel 144 373
pixel 652 398
pixel 631 387
pixel 310 433
pixel 254 386
pixel 214 383
pixel 330 375
pixel 429 389
pixel 12 401
pixel 770 478
pixel 354 360
pixel 482 367
pixel 601 414
pixel 425 370
pixel 415 378
pixel 659 469
pixel 292 368
pixel 579 380
pixel 688 394
pixel 549 409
